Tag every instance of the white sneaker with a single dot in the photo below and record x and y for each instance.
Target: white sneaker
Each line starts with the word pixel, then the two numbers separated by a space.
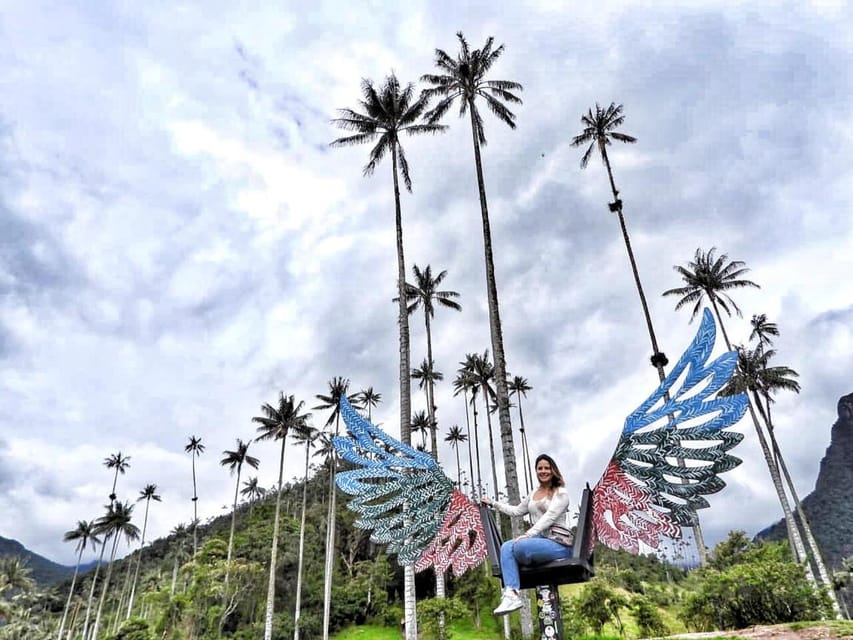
pixel 511 601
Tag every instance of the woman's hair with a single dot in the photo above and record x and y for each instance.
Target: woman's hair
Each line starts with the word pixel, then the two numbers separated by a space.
pixel 556 476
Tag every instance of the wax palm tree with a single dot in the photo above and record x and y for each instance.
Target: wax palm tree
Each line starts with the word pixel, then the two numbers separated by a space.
pixel 420 424
pixel 427 376
pixel 305 435
pixel 368 398
pixel 195 448
pixel 464 79
pixel 120 463
pixel 388 113
pixel 455 437
pixel 252 492
pixel 235 460
pixel 710 277
pixel 425 294
pixel 338 388
pixel 148 493
pixel 114 525
pixel 461 385
pixel 84 535
pixel 466 383
pixel 276 423
pixel 599 132
pixel 483 372
pixel 763 330
pixel 91 598
pixel 180 533
pixel 519 386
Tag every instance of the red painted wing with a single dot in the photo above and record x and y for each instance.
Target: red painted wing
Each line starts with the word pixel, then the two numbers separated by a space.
pixel 460 542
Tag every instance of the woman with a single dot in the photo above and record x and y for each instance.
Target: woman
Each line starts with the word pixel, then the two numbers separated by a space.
pixel 546 506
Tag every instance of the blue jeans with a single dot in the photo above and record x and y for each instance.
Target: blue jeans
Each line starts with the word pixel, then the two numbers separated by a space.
pixel 528 552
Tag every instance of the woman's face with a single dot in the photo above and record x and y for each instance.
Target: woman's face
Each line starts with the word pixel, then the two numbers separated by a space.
pixel 543 471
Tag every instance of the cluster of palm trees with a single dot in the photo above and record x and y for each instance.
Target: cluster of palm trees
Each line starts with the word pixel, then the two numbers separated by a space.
pixel 709 278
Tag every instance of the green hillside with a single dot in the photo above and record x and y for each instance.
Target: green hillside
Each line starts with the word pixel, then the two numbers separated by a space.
pixel 180 597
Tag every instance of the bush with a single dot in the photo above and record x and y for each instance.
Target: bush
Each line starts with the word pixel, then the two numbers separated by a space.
pixel 133 629
pixel 648 618
pixel 765 590
pixel 574 625
pixel 598 604
pixel 431 611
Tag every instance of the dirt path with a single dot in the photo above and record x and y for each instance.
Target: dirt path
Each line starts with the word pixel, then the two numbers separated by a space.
pixel 779 632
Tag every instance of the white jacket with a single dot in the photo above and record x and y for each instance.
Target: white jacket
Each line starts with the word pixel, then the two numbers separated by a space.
pixel 543 513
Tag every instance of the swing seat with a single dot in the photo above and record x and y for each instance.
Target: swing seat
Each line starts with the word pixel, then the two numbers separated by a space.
pixel 580 567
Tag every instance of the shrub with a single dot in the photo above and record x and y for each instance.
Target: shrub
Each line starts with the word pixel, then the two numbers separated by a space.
pixel 598 604
pixel 648 618
pixel 431 611
pixel 133 629
pixel 765 590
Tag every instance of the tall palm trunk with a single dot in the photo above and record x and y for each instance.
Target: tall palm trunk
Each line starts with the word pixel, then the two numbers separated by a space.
pixel 495 489
pixel 138 561
pixel 125 589
pixel 174 575
pixel 497 335
pixel 433 427
pixel 195 510
pixel 409 604
pixel 233 525
pixel 525 452
pixel 298 610
pixel 468 433
pixel 458 467
pixel 794 538
pixel 496 331
pixel 658 358
pixel 816 555
pixel 105 587
pixel 274 549
pixel 92 590
pixel 70 595
pixel 479 492
pixel 430 389
pixel 331 517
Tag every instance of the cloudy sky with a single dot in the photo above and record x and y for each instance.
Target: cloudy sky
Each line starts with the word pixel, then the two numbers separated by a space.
pixel 178 243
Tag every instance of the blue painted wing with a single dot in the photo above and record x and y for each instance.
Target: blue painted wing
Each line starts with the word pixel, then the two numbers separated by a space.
pixel 672 449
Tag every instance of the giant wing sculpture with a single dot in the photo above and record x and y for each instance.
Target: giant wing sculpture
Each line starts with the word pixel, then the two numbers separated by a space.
pixel 672 449
pixel 670 454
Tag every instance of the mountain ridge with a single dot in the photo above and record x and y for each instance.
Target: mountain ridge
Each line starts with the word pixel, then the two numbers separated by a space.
pixel 44 571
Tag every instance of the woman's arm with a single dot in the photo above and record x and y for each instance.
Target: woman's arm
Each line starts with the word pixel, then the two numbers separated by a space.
pixel 556 509
pixel 518 510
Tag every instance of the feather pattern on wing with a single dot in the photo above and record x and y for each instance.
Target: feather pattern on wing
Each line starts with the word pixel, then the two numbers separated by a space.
pixel 404 498
pixel 671 451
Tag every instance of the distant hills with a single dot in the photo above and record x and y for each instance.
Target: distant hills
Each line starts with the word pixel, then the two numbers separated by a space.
pixel 44 572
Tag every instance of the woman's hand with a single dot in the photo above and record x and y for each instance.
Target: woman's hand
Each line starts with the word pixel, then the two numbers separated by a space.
pixel 521 537
pixel 486 500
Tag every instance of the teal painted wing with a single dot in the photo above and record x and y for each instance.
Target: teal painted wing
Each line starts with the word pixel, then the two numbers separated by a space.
pixel 388 477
